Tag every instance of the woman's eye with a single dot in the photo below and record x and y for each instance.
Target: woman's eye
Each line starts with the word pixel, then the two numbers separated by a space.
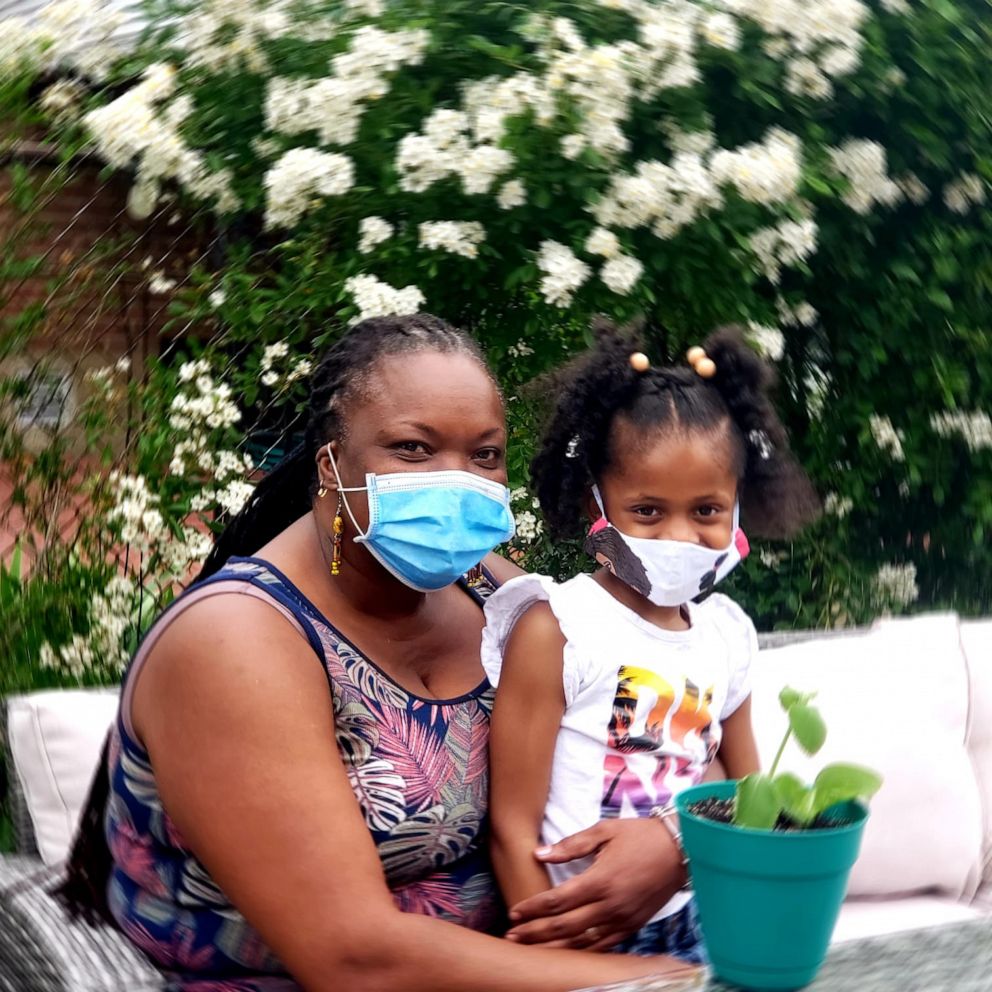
pixel 411 447
pixel 489 455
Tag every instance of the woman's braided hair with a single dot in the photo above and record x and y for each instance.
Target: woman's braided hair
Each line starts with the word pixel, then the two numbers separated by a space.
pixel 600 386
pixel 282 497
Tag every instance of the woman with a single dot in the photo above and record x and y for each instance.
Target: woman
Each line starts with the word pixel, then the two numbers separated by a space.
pixel 272 817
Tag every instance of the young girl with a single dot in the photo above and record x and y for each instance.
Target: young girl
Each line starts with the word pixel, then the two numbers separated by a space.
pixel 618 689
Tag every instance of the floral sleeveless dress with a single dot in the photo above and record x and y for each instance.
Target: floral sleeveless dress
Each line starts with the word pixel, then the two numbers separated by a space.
pixel 418 768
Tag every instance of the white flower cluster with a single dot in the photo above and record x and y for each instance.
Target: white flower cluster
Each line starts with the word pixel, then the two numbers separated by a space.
pixel 375 298
pixel 895 585
pixel 457 237
pixel 373 231
pixel 61 101
pixel 563 273
pixel 837 506
pixel 529 526
pixel 443 149
pixel 785 244
pixel 103 649
pixel 603 242
pixel 275 371
pixel 511 194
pixel 135 511
pixel 333 106
pixel 887 437
pixel 140 126
pixel 179 555
pixel 159 283
pixel 81 35
pixel 767 172
pixel 296 182
pixel 966 191
pixel 802 314
pixel 771 559
pixel 520 350
pixel 669 197
pixel 202 407
pixel 219 34
pixel 664 197
pixel 769 342
pixel 208 406
pixel 621 273
pixel 913 188
pixel 975 429
pixel 820 39
pixel 863 164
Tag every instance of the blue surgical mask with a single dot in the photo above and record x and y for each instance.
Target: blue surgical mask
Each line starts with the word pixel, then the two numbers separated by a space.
pixel 429 528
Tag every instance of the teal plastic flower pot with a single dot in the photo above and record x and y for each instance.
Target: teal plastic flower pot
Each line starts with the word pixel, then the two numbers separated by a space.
pixel 768 900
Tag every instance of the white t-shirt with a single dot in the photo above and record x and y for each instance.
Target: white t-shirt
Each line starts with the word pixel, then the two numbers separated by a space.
pixel 643 706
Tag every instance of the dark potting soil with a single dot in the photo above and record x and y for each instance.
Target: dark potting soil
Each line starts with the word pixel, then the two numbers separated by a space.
pixel 722 811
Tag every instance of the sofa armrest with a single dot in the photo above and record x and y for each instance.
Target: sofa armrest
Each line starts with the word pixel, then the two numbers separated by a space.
pixel 43 950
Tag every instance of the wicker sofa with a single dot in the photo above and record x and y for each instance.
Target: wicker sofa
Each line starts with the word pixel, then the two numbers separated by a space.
pixel 911 697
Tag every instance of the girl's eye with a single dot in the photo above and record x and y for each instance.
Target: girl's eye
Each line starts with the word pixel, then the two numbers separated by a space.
pixel 646 511
pixel 707 511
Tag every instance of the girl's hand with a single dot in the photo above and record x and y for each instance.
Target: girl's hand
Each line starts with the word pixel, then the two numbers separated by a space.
pixel 637 869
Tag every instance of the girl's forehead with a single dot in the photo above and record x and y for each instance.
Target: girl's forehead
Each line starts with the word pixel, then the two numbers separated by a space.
pixel 672 462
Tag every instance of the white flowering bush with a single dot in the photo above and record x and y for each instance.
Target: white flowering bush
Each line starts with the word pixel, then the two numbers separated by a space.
pixel 815 170
pixel 143 527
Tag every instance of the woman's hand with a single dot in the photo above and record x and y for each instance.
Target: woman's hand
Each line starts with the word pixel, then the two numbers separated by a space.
pixel 637 869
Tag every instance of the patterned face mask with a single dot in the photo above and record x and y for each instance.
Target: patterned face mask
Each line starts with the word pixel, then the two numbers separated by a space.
pixel 668 573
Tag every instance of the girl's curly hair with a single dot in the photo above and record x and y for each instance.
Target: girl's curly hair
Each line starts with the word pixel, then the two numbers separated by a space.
pixel 579 443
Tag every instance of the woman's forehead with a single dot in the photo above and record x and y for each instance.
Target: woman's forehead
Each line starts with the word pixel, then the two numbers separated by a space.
pixel 431 388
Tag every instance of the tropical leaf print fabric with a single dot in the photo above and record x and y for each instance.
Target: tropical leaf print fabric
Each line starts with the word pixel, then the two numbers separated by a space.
pixel 418 769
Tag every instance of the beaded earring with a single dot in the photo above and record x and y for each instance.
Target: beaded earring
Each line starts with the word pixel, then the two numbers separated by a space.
pixel 338 536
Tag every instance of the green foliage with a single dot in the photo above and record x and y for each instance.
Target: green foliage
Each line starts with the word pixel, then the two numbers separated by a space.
pixel 762 798
pixel 897 295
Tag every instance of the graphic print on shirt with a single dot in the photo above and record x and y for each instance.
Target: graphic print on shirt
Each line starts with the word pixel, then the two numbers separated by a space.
pixel 659 741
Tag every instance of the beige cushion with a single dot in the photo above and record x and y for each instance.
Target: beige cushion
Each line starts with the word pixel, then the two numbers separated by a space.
pixel 976 640
pixel 55 742
pixel 874 917
pixel 894 698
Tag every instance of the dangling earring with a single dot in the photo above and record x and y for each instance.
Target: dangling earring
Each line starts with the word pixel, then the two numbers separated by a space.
pixel 474 577
pixel 338 531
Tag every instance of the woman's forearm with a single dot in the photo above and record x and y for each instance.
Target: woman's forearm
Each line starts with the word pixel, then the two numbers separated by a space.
pixel 412 953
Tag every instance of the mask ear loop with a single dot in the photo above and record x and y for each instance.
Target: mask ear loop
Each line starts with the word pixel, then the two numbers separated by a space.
pixel 343 489
pixel 602 522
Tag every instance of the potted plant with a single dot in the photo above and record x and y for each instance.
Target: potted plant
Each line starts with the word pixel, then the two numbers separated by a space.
pixel 770 857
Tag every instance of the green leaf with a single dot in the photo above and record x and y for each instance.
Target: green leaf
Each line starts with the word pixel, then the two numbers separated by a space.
pixel 841 782
pixel 808 726
pixel 756 804
pixel 788 697
pixel 794 797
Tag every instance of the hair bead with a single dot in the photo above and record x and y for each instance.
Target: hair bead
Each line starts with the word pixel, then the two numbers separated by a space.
pixel 639 362
pixel 705 368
